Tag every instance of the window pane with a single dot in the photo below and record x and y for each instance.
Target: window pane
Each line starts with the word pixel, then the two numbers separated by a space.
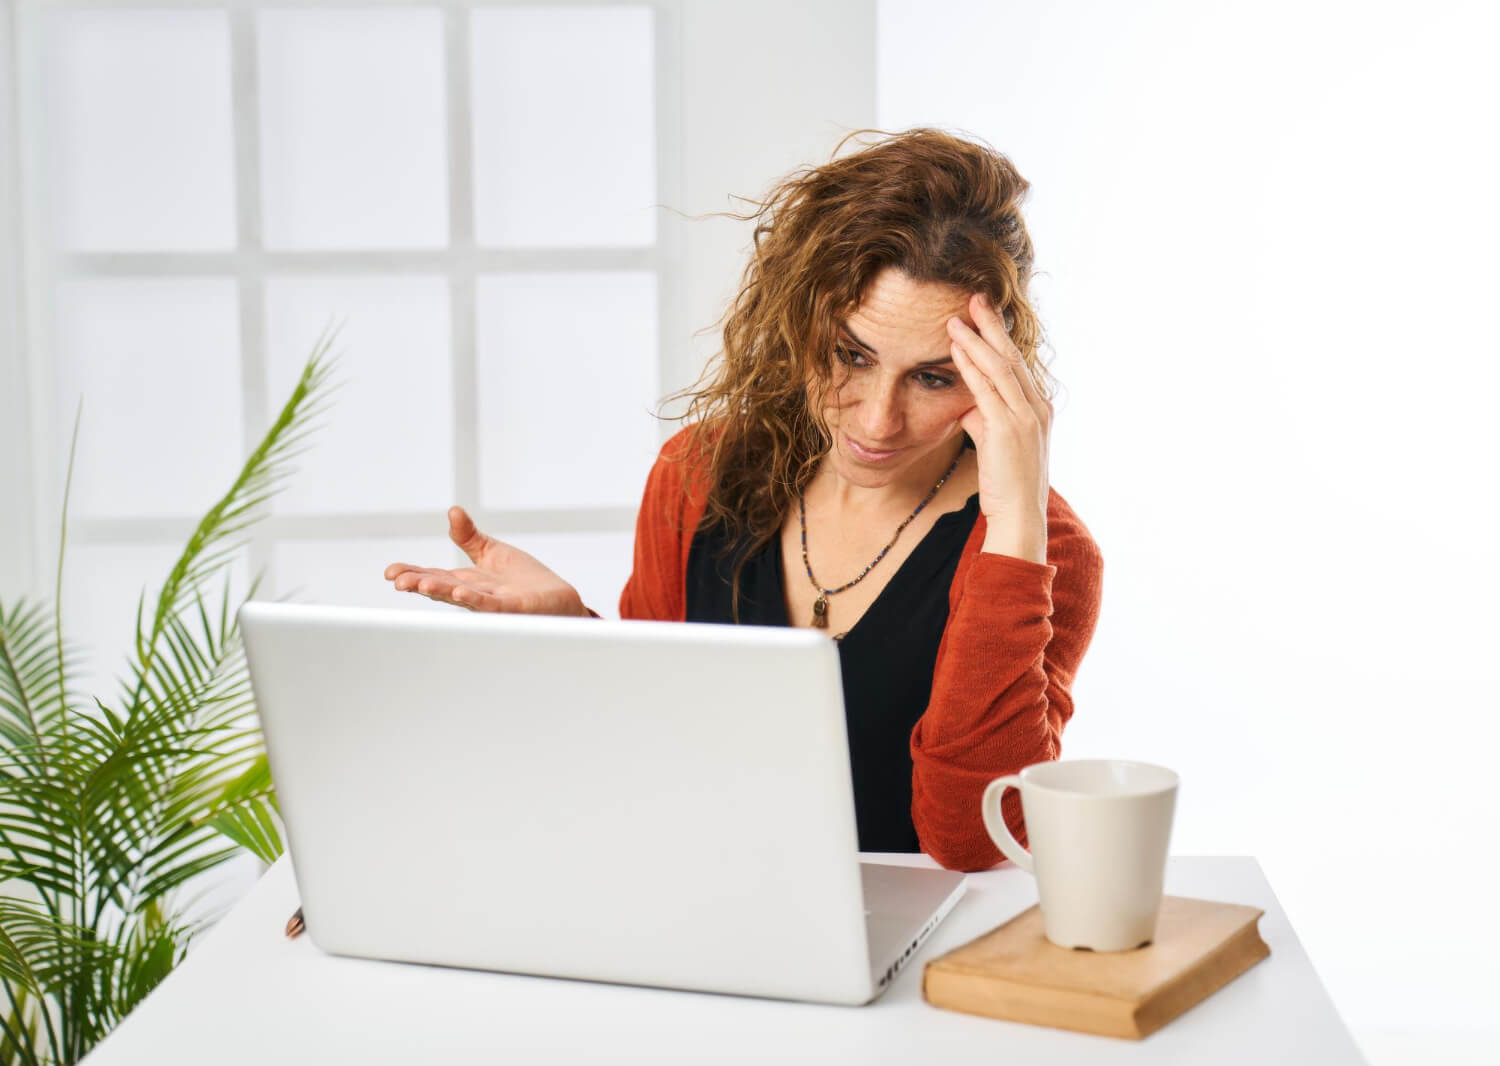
pixel 352 572
pixel 596 564
pixel 353 126
pixel 157 366
pixel 564 126
pixel 567 381
pixel 386 444
pixel 138 117
pixel 102 584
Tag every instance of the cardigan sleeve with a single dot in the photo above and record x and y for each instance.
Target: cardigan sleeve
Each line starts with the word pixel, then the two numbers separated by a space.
pixel 1017 631
pixel 664 528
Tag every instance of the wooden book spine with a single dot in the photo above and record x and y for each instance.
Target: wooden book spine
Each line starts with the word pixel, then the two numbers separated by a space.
pixel 996 997
pixel 1193 986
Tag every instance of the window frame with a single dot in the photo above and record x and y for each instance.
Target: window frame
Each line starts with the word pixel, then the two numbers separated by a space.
pixel 251 266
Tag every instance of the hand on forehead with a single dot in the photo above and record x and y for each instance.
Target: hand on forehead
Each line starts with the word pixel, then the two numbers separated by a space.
pixel 904 322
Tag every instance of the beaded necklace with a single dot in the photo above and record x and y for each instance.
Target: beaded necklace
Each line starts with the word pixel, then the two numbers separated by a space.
pixel 820 605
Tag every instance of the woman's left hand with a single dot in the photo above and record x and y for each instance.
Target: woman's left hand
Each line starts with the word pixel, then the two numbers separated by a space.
pixel 1011 425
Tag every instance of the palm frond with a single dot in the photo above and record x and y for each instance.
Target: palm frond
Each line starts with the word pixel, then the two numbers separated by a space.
pixel 247 812
pixel 39 953
pixel 261 477
pixel 30 700
pixel 109 807
pixel 153 947
pixel 24 1028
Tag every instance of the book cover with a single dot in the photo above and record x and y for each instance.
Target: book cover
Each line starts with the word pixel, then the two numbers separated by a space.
pixel 1014 972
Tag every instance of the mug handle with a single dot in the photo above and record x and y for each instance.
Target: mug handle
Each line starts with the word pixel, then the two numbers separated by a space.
pixel 994 822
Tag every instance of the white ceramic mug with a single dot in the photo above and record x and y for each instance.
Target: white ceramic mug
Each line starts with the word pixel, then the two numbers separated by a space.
pixel 1098 830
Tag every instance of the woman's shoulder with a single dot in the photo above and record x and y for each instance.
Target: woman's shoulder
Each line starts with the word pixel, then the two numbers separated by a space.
pixel 1078 585
pixel 691 443
pixel 1071 547
pixel 677 486
pixel 685 457
pixel 1066 531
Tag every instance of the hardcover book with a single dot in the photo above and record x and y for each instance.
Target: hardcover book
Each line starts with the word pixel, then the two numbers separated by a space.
pixel 1014 972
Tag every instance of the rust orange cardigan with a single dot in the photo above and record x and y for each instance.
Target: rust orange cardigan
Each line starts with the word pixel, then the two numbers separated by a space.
pixel 1016 633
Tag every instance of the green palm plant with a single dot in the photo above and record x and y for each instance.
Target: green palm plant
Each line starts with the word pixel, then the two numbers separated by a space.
pixel 108 807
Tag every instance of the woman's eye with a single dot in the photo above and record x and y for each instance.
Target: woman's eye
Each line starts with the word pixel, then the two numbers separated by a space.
pixel 850 355
pixel 934 381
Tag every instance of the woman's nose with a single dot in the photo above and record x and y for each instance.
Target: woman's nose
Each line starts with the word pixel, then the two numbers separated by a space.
pixel 880 416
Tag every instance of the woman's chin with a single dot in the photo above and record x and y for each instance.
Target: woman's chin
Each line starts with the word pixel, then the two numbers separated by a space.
pixel 863 474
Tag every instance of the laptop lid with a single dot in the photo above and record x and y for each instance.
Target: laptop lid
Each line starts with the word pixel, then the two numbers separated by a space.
pixel 655 803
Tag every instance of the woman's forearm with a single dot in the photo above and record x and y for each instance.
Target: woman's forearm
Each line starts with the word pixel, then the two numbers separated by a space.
pixel 994 707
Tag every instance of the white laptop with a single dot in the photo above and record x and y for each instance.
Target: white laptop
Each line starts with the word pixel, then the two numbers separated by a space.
pixel 650 803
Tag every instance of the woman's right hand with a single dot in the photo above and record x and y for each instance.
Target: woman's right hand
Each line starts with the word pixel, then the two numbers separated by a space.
pixel 502 579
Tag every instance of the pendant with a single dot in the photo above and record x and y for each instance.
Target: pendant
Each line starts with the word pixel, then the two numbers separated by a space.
pixel 820 613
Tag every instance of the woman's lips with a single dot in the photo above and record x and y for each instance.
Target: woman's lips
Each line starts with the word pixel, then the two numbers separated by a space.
pixel 866 455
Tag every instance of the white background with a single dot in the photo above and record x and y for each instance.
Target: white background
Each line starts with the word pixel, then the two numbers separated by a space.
pixel 1266 238
pixel 1267 234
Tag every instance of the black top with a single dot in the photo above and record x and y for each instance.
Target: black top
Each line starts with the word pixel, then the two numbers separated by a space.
pixel 886 660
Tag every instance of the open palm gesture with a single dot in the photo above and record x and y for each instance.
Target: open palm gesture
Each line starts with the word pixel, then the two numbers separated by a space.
pixel 502 579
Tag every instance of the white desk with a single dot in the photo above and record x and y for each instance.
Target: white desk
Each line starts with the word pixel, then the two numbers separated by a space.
pixel 247 995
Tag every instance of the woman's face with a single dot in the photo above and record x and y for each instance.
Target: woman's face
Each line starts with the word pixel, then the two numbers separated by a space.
pixel 903 396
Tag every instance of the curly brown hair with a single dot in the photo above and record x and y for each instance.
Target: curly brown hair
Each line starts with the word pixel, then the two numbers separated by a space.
pixel 936 207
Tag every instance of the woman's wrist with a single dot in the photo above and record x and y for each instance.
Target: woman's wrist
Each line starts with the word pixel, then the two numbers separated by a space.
pixel 1019 539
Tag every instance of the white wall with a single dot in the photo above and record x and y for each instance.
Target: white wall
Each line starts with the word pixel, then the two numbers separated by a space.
pixel 19 570
pixel 200 303
pixel 766 88
pixel 172 303
pixel 1267 236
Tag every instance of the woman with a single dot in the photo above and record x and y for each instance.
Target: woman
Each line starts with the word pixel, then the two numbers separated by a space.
pixel 869 457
